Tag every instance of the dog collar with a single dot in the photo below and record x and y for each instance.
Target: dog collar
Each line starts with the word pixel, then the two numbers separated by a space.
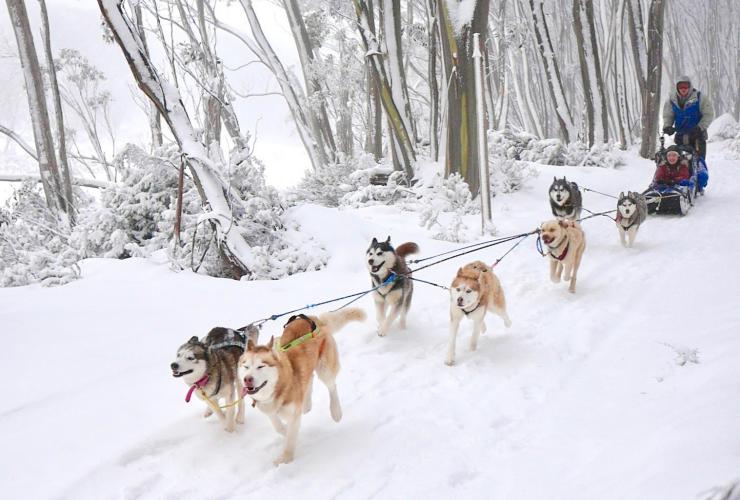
pixel 565 252
pixel 198 385
pixel 472 310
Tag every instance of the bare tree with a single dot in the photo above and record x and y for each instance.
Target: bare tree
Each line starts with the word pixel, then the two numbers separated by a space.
pixel 48 167
pixel 58 113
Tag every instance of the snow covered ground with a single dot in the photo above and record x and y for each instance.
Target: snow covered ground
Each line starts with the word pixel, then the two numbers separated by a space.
pixel 626 390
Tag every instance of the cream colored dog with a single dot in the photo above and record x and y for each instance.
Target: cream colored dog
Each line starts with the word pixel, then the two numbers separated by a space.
pixel 279 377
pixel 566 242
pixel 474 291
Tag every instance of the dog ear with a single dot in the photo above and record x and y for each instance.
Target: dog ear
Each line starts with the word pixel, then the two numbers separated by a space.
pixel 459 272
pixel 374 242
pixel 621 195
pixel 250 345
pixel 562 223
pixel 271 342
pixel 388 240
pixel 193 340
pixel 554 178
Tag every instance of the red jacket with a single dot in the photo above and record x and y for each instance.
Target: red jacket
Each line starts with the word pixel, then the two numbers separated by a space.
pixel 667 174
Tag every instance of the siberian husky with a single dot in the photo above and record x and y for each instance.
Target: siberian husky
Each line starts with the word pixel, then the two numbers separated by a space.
pixel 278 377
pixel 208 366
pixel 393 298
pixel 631 212
pixel 474 291
pixel 566 242
pixel 565 199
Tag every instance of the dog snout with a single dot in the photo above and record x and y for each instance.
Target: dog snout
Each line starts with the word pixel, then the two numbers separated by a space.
pixel 459 301
pixel 174 366
pixel 249 381
pixel 371 262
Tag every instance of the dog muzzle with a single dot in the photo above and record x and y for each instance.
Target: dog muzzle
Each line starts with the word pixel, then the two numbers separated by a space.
pixel 177 374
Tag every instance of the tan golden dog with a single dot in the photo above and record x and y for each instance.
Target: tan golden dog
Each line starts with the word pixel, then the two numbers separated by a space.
pixel 278 377
pixel 474 291
pixel 566 243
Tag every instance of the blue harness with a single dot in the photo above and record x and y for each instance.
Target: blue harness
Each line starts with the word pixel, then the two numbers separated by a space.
pixel 688 117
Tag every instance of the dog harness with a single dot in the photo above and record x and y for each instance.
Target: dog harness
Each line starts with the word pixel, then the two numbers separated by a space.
pixel 304 338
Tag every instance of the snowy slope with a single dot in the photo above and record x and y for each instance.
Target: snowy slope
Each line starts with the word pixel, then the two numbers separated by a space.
pixel 626 390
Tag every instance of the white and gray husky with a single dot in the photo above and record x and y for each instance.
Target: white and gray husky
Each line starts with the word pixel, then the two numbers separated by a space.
pixel 394 299
pixel 631 212
pixel 565 199
pixel 209 366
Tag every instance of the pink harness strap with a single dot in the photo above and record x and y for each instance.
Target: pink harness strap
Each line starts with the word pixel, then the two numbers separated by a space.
pixel 198 385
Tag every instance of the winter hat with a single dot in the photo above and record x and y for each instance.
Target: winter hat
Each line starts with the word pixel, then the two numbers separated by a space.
pixel 683 79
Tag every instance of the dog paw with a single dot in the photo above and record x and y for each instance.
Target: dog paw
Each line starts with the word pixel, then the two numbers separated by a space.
pixel 473 347
pixel 285 458
pixel 382 332
pixel 336 412
pixel 230 428
pixel 450 361
pixel 240 419
pixel 207 413
pixel 555 279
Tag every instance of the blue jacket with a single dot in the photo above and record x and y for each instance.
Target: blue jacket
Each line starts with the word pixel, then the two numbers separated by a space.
pixel 696 111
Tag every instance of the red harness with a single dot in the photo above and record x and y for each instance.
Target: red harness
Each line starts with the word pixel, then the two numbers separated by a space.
pixel 198 385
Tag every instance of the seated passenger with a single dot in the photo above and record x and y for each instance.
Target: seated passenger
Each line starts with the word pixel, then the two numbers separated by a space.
pixel 673 169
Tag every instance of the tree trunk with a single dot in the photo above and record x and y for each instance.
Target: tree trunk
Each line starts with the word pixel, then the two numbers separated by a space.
pixel 554 82
pixel 48 168
pixel 401 140
pixel 433 36
pixel 155 122
pixel 58 113
pixel 651 96
pixel 585 76
pixel 306 52
pixel 457 50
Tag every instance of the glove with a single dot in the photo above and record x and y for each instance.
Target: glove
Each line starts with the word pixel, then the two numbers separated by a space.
pixel 696 133
pixel 668 130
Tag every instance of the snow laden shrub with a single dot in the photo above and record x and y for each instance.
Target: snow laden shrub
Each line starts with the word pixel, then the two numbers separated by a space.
pixel 723 127
pixel 606 155
pixel 526 147
pixel 509 176
pixel 349 183
pixel 442 206
pixel 137 218
pixel 34 244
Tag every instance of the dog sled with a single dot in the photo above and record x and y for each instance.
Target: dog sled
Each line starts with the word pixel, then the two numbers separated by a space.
pixel 677 198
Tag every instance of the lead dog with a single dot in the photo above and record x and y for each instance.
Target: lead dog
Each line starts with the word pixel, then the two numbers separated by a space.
pixel 395 297
pixel 208 366
pixel 474 291
pixel 631 213
pixel 278 377
pixel 566 242
pixel 565 199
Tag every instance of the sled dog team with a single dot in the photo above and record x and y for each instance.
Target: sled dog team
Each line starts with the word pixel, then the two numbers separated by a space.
pixel 229 366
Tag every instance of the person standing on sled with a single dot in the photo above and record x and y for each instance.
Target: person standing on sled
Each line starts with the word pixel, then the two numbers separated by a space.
pixel 688 113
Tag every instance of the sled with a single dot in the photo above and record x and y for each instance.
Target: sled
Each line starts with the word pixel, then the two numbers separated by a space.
pixel 678 198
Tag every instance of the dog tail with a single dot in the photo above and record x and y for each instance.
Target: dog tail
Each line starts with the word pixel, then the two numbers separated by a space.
pixel 336 320
pixel 406 249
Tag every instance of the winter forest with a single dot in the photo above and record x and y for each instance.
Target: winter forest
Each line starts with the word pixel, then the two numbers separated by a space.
pixel 161 144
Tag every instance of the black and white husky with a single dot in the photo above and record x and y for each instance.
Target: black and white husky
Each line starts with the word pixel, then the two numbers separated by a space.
pixel 392 300
pixel 565 199
pixel 631 212
pixel 209 367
